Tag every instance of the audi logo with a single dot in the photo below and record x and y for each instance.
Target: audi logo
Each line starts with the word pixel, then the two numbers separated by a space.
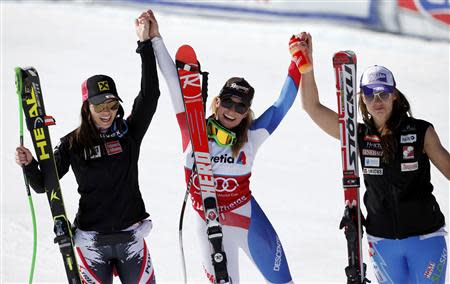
pixel 222 184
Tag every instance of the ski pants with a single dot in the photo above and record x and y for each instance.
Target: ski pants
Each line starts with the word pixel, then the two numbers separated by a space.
pixel 248 228
pixel 416 259
pixel 124 254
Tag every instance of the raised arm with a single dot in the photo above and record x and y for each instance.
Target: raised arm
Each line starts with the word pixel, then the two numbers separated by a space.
pixel 436 152
pixel 145 103
pixel 170 74
pixel 272 117
pixel 324 117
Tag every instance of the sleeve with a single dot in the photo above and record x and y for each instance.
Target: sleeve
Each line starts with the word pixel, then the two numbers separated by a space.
pixel 266 124
pixel 145 103
pixel 62 161
pixel 169 71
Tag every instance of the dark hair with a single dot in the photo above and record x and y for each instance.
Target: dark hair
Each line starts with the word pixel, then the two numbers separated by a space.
pixel 400 110
pixel 86 136
pixel 240 130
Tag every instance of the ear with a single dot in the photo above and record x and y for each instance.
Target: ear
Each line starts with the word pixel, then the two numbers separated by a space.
pixel 217 102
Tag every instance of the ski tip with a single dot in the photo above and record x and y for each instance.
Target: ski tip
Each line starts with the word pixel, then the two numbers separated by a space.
pixel 186 54
pixel 344 57
pixel 18 71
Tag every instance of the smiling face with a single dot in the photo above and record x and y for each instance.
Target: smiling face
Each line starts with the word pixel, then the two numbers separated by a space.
pixel 380 109
pixel 104 118
pixel 229 117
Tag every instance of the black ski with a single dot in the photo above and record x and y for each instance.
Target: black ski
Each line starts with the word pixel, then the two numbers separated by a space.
pixel 29 88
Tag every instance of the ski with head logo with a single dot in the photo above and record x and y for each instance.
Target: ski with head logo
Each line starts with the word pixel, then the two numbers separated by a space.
pixel 191 88
pixel 30 95
pixel 344 63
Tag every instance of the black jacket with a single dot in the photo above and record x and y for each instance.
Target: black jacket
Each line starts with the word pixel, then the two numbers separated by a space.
pixel 108 179
pixel 398 198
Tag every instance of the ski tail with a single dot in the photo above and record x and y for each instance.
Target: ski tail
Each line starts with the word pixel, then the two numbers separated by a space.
pixel 193 97
pixel 37 121
pixel 344 63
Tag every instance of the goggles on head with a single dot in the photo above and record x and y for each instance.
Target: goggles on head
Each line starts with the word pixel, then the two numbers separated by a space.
pixel 383 96
pixel 238 107
pixel 112 105
pixel 220 134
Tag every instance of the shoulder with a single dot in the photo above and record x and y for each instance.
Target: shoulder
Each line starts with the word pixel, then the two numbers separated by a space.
pixel 413 124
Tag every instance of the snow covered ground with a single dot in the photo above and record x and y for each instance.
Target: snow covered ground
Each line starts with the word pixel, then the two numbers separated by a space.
pixel 297 174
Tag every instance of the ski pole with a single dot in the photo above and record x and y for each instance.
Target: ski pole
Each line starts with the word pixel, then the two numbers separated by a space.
pixel 19 87
pixel 180 224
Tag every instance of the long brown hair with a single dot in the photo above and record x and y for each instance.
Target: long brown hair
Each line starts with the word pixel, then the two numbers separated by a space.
pixel 240 130
pixel 400 110
pixel 86 136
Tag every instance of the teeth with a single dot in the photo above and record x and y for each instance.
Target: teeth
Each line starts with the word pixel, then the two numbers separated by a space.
pixel 228 116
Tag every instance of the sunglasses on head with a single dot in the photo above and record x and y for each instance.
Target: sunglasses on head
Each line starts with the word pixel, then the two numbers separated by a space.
pixel 383 96
pixel 112 105
pixel 239 107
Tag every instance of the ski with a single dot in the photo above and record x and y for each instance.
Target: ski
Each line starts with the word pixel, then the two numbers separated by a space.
pixel 191 88
pixel 344 63
pixel 30 92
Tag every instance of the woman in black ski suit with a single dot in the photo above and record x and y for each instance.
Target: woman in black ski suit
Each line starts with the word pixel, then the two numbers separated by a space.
pixel 103 152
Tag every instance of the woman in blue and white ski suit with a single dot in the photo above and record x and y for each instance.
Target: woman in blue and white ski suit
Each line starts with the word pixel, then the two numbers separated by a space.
pixel 244 223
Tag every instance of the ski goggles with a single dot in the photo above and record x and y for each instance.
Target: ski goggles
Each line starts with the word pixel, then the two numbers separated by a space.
pixel 238 107
pixel 112 105
pixel 382 96
pixel 220 134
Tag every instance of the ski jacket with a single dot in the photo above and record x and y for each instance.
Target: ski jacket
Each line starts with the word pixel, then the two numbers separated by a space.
pixel 398 198
pixel 231 174
pixel 108 177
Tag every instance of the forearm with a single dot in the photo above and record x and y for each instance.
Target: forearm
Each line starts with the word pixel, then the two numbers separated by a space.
pixel 323 116
pixel 149 74
pixel 170 74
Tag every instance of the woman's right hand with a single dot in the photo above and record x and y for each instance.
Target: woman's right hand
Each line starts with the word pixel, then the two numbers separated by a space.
pixel 23 156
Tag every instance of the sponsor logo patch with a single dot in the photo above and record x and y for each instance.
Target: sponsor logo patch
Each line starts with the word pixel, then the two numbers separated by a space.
pixel 410 138
pixel 408 152
pixel 429 270
pixel 374 145
pixel 408 167
pixel 103 86
pixel 373 171
pixel 113 147
pixel 371 162
pixel 370 152
pixel 372 138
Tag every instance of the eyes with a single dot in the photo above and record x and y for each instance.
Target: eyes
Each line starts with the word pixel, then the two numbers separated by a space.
pixel 112 105
pixel 239 107
pixel 383 96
